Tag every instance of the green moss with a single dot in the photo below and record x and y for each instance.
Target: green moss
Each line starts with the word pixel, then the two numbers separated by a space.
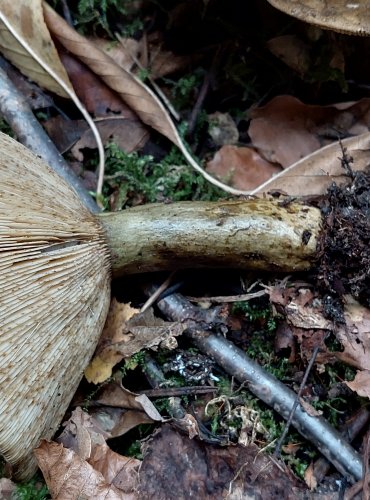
pixel 134 177
pixel 35 489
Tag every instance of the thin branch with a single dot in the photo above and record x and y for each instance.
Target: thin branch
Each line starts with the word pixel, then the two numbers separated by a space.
pixel 266 387
pixel 296 402
pixel 16 111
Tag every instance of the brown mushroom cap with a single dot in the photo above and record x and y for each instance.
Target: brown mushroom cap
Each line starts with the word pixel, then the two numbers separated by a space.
pixel 343 16
pixel 54 297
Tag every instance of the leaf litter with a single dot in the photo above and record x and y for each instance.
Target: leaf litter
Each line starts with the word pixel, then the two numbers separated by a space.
pixel 284 134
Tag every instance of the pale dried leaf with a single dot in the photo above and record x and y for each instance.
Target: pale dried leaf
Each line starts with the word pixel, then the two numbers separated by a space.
pixel 355 335
pixel 116 469
pixel 122 339
pixel 82 433
pixel 114 394
pixel 132 91
pixel 315 173
pixel 107 355
pixel 134 409
pixel 309 477
pixel 123 52
pixel 27 19
pixel 69 477
pixel 54 291
pixel 361 383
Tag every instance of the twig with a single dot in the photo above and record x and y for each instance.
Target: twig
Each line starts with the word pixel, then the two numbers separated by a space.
pixel 229 298
pixel 365 488
pixel 296 402
pixel 349 431
pixel 16 111
pixel 157 292
pixel 178 391
pixel 199 102
pixel 67 89
pixel 266 387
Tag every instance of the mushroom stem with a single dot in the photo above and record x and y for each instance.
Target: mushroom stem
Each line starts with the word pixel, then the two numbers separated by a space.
pixel 252 234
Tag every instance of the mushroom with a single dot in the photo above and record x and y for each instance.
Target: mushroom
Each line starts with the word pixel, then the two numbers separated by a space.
pixel 352 18
pixel 56 260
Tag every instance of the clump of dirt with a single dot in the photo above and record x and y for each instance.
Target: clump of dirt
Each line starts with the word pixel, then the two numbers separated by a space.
pixel 345 245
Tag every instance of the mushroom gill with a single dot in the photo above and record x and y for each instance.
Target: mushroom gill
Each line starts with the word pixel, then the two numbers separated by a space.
pixel 54 297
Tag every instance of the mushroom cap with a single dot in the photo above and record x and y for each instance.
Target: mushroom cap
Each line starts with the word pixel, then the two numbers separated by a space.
pixel 343 16
pixel 54 297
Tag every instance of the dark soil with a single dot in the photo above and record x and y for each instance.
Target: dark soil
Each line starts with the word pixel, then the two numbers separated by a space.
pixel 344 248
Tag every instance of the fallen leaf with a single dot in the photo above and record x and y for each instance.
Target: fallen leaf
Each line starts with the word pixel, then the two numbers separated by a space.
pixel 84 436
pixel 309 477
pixel 98 98
pixel 123 52
pixel 285 130
pixel 124 337
pixel 129 135
pixel 315 173
pixel 245 168
pixel 137 95
pixel 69 477
pixel 361 383
pixel 26 18
pixel 293 51
pixel 129 409
pixel 355 335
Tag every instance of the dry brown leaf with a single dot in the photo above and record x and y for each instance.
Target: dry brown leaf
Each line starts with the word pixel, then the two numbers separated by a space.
pixel 309 477
pixel 123 52
pixel 117 470
pixel 81 433
pixel 107 356
pixel 355 335
pixel 293 51
pixel 315 173
pixel 245 166
pixel 69 477
pixel 137 95
pixel 36 56
pixel 99 99
pixel 122 337
pixel 361 383
pixel 118 421
pixel 285 129
pixel 27 19
pixel 123 410
pixel 162 62
pixel 129 135
pixel 300 309
pixel 84 436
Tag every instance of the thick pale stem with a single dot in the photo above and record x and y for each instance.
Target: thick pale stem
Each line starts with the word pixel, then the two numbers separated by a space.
pixel 252 234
